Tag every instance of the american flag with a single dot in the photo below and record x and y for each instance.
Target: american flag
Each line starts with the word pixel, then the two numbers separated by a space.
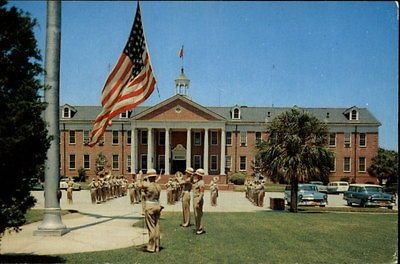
pixel 130 83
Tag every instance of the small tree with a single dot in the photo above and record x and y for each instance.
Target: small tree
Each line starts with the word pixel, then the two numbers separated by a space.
pixel 23 135
pixel 296 150
pixel 385 166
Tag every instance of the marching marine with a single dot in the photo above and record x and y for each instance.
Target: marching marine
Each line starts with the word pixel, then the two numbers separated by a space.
pixel 93 188
pixel 214 191
pixel 198 200
pixel 186 185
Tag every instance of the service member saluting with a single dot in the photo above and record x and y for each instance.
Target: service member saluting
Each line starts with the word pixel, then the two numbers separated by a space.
pixel 186 185
pixel 152 209
pixel 198 201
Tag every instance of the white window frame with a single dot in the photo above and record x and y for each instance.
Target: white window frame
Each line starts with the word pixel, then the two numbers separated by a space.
pixel 245 143
pixel 230 137
pixel 69 137
pixel 344 140
pixel 234 111
pixel 129 163
pixel 112 162
pixel 87 139
pixel 194 160
pixel 69 112
pixel 113 137
pixel 159 138
pixel 365 140
pixel 121 115
pixel 351 114
pixel 216 138
pixel 365 164
pixel 83 159
pixel 330 139
pixel 129 137
pixel 344 164
pixel 255 136
pixel 228 157
pixel 194 139
pixel 69 162
pixel 216 162
pixel 245 163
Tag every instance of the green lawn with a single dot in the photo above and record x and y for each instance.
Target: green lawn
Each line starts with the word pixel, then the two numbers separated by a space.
pixel 269 187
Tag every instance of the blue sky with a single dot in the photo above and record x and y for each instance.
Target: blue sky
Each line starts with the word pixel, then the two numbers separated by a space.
pixel 309 54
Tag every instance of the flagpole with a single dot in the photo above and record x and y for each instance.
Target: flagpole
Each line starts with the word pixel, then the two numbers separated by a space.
pixel 52 224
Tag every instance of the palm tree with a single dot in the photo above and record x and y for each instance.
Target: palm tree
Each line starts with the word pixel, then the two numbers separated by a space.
pixel 296 149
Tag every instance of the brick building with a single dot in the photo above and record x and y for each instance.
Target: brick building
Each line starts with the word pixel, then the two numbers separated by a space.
pixel 178 133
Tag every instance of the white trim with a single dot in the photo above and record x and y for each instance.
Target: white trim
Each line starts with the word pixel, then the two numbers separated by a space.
pixel 365 140
pixel 69 162
pixel 69 112
pixel 124 117
pixel 344 163
pixel 240 139
pixel 112 162
pixel 230 162
pixel 127 137
pixel 83 159
pixel 329 143
pixel 69 137
pixel 129 166
pixel 245 163
pixel 194 160
pixel 351 114
pixel 255 136
pixel 216 136
pixel 233 113
pixel 112 137
pixel 85 142
pixel 194 138
pixel 344 139
pixel 216 167
pixel 226 138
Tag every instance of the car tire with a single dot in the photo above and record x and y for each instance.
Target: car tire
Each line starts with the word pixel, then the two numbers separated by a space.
pixel 390 207
pixel 322 205
pixel 362 204
pixel 349 203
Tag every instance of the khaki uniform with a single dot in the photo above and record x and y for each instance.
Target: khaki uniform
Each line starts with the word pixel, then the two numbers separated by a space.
pixel 152 214
pixel 93 188
pixel 198 201
pixel 69 191
pixel 186 188
pixel 170 192
pixel 213 193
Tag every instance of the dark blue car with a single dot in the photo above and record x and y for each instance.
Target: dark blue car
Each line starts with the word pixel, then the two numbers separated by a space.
pixel 368 195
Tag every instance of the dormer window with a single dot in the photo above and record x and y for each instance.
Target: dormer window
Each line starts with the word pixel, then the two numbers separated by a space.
pixel 236 113
pixel 327 115
pixel 66 112
pixel 354 115
pixel 123 115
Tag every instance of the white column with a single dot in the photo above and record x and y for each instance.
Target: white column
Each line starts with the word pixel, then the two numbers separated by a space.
pixel 222 170
pixel 150 149
pixel 205 156
pixel 134 150
pixel 167 152
pixel 189 148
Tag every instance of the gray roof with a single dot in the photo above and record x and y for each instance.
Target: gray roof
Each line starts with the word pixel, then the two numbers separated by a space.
pixel 248 114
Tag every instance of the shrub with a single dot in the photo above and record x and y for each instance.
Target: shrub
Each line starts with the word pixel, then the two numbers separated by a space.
pixel 82 174
pixel 237 178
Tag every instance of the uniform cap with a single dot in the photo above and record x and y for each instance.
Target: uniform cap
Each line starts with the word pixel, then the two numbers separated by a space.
pixel 151 173
pixel 200 172
pixel 189 170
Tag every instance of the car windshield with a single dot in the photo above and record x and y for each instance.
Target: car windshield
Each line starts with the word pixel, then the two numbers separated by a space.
pixel 373 189
pixel 308 188
pixel 343 184
pixel 316 182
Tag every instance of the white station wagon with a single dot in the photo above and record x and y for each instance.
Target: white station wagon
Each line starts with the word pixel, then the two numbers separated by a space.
pixel 337 187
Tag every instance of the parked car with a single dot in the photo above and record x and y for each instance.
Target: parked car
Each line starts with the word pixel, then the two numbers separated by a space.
pixel 36 184
pixel 64 185
pixel 307 194
pixel 368 195
pixel 320 185
pixel 337 187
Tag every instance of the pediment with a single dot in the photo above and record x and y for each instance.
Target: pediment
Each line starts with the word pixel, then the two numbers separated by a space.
pixel 178 108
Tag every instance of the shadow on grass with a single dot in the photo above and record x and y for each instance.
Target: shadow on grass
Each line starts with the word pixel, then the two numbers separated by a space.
pixel 30 258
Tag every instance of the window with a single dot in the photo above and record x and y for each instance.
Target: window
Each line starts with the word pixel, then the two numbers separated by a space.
pixel 242 165
pixel 161 162
pixel 86 161
pixel 214 162
pixel 243 138
pixel 115 137
pixel 347 140
pixel 72 139
pixel 66 113
pixel 332 139
pixel 236 113
pixel 143 162
pixel 101 141
pixel 333 165
pixel 161 138
pixel 197 138
pixel 197 162
pixel 214 138
pixel 269 114
pixel 123 115
pixel 115 162
pixel 129 163
pixel 86 136
pixel 129 137
pixel 258 136
pixel 228 138
pixel 361 164
pixel 143 138
pixel 347 164
pixel 228 162
pixel 363 140
pixel 354 115
pixel 72 162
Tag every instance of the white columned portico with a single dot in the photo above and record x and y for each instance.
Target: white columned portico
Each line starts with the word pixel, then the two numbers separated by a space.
pixel 189 148
pixel 134 150
pixel 150 149
pixel 167 152
pixel 205 158
pixel 223 141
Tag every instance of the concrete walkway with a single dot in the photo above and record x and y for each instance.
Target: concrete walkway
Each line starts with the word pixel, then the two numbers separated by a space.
pixel 106 226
